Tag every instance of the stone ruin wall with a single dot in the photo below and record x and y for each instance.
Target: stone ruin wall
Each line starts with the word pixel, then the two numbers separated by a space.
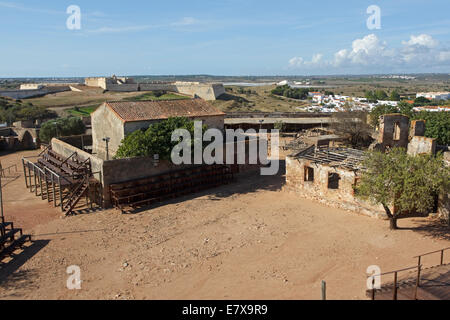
pixel 317 190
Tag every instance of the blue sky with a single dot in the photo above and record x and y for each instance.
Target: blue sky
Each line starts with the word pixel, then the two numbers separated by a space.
pixel 223 37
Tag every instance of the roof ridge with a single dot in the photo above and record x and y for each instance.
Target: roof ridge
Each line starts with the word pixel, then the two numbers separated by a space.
pixel 160 100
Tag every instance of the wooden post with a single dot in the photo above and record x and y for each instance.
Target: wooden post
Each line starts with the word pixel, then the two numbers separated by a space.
pixel 54 194
pixel 24 173
pixel 60 193
pixel 46 184
pixel 442 257
pixel 40 183
pixel 373 288
pixel 35 181
pixel 395 286
pixel 417 282
pixel 324 290
pixel 29 177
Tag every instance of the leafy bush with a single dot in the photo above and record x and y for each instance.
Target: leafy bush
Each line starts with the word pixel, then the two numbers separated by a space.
pixel 288 92
pixel 380 110
pixel 159 93
pixel 157 139
pixel 61 127
pixel 11 111
pixel 437 125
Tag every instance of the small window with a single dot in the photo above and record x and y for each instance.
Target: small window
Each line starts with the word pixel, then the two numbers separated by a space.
pixel 396 131
pixel 333 180
pixel 309 174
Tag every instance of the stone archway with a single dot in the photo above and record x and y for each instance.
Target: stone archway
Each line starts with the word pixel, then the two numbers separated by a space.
pixel 27 141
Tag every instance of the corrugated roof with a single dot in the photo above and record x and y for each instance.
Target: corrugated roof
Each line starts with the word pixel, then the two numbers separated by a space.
pixel 346 158
pixel 130 111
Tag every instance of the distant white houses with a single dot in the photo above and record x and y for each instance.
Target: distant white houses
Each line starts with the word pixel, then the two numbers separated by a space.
pixel 432 108
pixel 434 95
pixel 285 82
pixel 389 103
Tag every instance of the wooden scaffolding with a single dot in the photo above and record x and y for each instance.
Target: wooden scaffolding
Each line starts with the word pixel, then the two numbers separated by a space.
pixel 61 180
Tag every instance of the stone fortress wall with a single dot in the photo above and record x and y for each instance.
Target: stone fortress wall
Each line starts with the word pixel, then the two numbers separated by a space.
pixel 207 91
pixel 32 93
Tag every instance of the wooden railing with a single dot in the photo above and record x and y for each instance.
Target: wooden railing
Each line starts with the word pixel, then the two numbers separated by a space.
pixel 432 252
pixel 395 272
pixel 395 289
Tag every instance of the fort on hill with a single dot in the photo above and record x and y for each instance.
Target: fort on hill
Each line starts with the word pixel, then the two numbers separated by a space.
pixel 207 91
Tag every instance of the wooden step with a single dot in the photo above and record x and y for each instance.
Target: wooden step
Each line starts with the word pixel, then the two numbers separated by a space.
pixel 10 235
pixel 14 245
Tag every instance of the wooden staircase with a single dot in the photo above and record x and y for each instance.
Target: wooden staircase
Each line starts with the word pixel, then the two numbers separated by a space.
pixel 10 238
pixel 434 285
pixel 62 180
pixel 71 199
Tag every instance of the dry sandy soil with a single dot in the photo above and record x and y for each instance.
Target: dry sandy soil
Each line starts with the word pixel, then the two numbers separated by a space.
pixel 247 240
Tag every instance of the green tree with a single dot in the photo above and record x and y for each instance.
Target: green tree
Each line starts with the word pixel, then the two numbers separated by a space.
pixel 15 110
pixel 379 111
pixel 157 139
pixel 370 96
pixel 406 183
pixel 136 144
pixel 61 127
pixel 381 95
pixel 395 96
pixel 421 101
pixel 405 108
pixel 437 125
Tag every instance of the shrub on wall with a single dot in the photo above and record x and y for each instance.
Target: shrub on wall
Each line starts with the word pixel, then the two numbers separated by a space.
pixel 157 139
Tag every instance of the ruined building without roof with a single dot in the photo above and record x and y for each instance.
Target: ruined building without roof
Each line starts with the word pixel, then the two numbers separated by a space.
pixel 329 174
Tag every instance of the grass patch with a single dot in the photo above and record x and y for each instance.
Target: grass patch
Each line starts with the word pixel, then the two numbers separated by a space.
pixel 82 111
pixel 153 96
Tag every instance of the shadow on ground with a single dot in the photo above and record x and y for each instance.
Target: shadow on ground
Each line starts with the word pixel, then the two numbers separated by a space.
pixel 11 278
pixel 436 228
pixel 244 183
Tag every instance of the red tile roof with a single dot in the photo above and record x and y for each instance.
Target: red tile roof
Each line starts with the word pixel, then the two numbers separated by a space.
pixel 129 111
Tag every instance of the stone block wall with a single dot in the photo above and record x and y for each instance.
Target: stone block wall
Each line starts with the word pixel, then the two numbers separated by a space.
pixel 419 145
pixel 318 189
pixel 389 125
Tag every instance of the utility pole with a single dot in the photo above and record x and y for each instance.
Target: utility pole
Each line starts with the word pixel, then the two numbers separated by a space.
pixel 106 139
pixel 324 290
pixel 56 128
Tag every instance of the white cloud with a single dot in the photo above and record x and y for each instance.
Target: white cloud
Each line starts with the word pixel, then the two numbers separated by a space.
pixel 296 62
pixel 186 21
pixel 317 58
pixel 21 7
pixel 121 29
pixel 371 53
pixel 424 40
pixel 299 61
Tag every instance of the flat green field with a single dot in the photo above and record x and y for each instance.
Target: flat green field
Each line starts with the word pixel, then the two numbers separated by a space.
pixel 82 111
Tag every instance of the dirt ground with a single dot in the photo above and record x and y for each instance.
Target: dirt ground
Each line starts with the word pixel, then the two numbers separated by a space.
pixel 247 240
